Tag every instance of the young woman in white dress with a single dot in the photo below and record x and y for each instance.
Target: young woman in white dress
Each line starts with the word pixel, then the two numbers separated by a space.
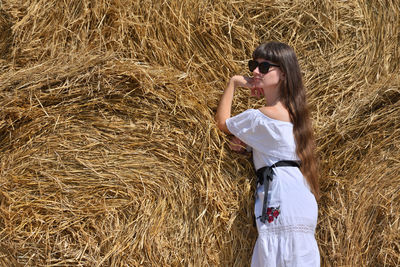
pixel 281 138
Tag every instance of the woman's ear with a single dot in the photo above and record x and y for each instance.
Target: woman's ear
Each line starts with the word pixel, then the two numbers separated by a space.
pixel 282 76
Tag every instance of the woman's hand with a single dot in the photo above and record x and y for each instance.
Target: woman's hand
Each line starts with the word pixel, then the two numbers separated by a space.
pixel 225 103
pixel 247 82
pixel 242 81
pixel 237 145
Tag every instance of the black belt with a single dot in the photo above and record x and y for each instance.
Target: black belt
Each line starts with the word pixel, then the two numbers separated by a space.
pixel 265 174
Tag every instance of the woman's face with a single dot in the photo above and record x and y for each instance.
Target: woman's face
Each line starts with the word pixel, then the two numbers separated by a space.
pixel 270 79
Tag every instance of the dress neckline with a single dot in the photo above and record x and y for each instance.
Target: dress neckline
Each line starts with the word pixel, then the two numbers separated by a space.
pixel 286 122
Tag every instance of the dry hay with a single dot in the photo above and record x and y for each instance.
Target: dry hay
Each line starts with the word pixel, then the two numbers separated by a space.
pixel 110 155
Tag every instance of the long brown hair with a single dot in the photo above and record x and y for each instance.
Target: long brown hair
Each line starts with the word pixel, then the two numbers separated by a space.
pixel 294 98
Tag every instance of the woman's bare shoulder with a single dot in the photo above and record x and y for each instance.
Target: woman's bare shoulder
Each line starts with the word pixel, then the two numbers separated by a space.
pixel 276 113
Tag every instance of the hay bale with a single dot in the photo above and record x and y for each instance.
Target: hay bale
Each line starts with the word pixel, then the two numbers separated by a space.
pixel 5 34
pixel 110 155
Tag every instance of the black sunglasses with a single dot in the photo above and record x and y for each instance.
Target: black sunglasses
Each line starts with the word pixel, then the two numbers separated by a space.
pixel 263 67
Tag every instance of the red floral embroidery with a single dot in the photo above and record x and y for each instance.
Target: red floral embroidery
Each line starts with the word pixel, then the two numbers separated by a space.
pixel 269 210
pixel 276 213
pixel 273 213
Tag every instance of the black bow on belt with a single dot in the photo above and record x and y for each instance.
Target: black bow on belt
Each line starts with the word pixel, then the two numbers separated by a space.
pixel 265 174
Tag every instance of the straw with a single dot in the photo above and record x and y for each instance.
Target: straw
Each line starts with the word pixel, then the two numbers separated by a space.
pixel 110 155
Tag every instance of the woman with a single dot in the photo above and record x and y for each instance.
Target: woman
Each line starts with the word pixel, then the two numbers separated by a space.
pixel 280 135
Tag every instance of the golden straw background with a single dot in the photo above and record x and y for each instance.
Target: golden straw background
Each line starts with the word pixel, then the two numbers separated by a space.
pixel 109 151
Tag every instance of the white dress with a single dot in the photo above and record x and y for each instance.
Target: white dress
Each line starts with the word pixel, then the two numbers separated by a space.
pixel 287 237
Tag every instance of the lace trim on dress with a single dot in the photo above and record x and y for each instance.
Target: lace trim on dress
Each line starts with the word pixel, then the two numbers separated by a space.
pixel 298 228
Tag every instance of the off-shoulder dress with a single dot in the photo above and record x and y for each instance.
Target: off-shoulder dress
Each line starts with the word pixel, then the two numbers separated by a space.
pixel 287 237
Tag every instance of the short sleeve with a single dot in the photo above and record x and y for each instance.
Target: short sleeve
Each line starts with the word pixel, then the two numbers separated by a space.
pixel 242 126
pixel 263 134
